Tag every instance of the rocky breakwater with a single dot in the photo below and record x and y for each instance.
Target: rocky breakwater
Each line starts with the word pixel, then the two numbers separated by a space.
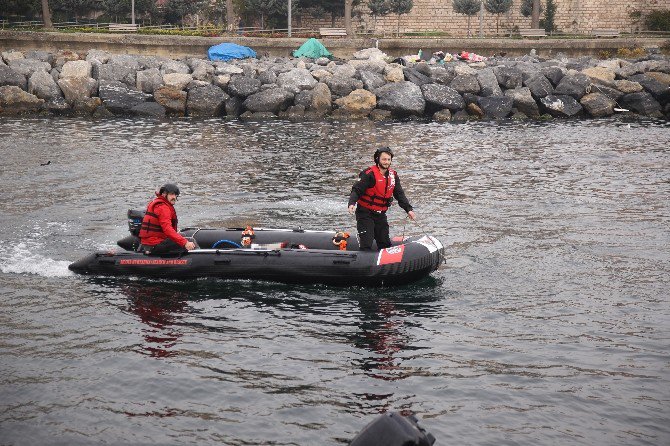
pixel 100 84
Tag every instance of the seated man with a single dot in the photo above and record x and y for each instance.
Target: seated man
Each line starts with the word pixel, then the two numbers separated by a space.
pixel 158 233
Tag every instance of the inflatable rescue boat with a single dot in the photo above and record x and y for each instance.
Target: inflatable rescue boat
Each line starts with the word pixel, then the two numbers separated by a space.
pixel 279 255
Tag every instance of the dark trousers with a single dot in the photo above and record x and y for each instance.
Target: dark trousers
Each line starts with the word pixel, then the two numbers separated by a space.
pixel 371 226
pixel 167 247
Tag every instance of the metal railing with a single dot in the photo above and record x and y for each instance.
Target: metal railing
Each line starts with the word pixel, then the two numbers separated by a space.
pixel 104 26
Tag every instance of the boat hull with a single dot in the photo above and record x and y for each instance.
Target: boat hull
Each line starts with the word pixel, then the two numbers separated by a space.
pixel 406 262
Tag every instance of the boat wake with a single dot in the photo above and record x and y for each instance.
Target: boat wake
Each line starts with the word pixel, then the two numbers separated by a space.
pixel 22 259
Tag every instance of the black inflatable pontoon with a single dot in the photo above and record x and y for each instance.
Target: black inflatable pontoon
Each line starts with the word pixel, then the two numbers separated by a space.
pixel 280 255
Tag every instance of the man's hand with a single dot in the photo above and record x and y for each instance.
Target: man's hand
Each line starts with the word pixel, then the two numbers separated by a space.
pixel 411 215
pixel 352 208
pixel 189 245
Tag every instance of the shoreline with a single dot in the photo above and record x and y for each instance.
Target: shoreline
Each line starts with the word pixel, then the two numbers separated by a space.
pixel 369 85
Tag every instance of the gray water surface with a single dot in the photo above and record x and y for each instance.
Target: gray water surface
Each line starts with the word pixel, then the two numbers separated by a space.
pixel 549 323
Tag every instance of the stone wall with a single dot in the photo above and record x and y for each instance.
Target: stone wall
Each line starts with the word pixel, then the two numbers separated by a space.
pixel 572 16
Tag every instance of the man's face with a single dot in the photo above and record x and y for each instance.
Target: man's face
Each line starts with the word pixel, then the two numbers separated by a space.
pixel 385 160
pixel 172 198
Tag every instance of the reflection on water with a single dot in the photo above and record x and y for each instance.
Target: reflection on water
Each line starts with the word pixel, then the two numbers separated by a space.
pixel 547 325
pixel 161 309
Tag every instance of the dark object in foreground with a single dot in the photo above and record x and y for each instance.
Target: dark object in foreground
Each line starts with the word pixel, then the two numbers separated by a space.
pixel 392 429
pixel 278 255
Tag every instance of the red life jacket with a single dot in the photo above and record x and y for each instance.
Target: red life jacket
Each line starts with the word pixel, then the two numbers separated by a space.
pixel 151 232
pixel 378 197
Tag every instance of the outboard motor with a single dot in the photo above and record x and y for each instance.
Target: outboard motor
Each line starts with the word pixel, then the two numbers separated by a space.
pixel 135 218
pixel 132 242
pixel 392 429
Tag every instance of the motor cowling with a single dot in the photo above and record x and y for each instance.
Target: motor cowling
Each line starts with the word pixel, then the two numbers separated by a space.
pixel 393 429
pixel 135 217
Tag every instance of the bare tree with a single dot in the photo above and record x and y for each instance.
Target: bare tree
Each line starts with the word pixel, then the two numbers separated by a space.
pixel 230 15
pixel 46 15
pixel 535 16
pixel 348 6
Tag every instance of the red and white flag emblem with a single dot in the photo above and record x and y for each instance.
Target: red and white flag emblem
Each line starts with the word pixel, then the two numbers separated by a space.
pixel 391 255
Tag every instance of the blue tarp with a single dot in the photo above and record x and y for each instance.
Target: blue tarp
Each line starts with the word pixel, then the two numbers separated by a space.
pixel 228 51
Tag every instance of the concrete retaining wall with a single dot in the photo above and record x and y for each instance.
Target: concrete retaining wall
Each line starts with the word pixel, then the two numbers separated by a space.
pixel 180 46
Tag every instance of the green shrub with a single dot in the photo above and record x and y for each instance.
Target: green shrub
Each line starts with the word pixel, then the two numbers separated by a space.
pixel 658 20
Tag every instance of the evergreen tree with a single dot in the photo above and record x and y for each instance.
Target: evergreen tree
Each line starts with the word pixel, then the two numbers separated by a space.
pixel 469 8
pixel 176 10
pixel 378 8
pixel 497 7
pixel 74 8
pixel 549 16
pixel 120 10
pixel 400 7
pixel 264 9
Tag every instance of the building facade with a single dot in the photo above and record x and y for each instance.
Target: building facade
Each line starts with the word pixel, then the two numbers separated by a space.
pixel 571 16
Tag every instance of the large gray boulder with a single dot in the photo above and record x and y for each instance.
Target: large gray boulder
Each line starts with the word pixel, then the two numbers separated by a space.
pixel 443 75
pixel 98 57
pixel 371 80
pixel 234 106
pixel 657 89
pixel 643 103
pixel 401 98
pixel 508 77
pixel 562 106
pixel 118 98
pixel 524 102
pixel 14 100
pixel 465 83
pixel 208 100
pixel 12 55
pixel 43 56
pixel 243 86
pixel 226 68
pixel 11 77
pixel 152 109
pixel 611 93
pixel 554 74
pixel 539 86
pixel 27 67
pixel 439 97
pixel 376 66
pixel 174 66
pixel 42 85
pixel 267 77
pixel 342 86
pixel 320 99
pixel 203 71
pixel 528 70
pixel 575 85
pixel 296 80
pixel 127 60
pixel 149 80
pixel 495 107
pixel 111 72
pixel 416 77
pixel 597 105
pixel 273 100
pixel 77 89
pixel 344 70
pixel 488 83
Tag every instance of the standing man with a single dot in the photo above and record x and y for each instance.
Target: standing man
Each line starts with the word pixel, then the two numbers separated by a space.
pixel 373 193
pixel 158 233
